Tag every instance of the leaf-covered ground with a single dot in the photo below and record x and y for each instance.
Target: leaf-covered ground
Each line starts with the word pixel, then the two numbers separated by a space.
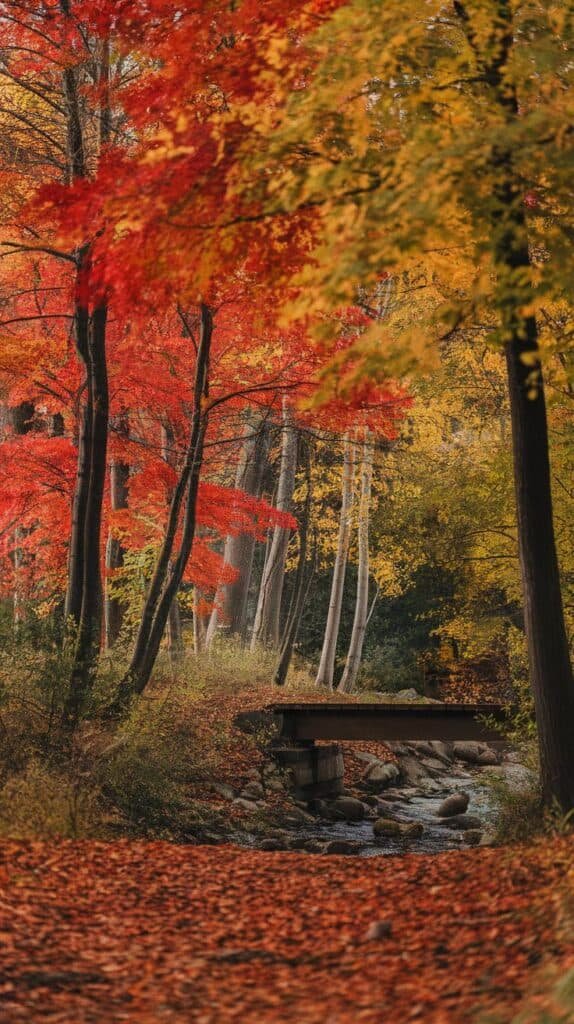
pixel 153 932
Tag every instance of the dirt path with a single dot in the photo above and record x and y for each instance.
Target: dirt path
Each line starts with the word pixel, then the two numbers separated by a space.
pixel 96 932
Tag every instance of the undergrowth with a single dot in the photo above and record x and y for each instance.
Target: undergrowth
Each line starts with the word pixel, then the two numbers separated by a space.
pixel 136 777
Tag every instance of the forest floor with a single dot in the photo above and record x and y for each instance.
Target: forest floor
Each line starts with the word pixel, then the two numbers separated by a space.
pixel 149 932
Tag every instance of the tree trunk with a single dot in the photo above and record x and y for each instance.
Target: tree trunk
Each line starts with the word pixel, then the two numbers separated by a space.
pixel 20 418
pixel 229 615
pixel 114 609
pixel 169 571
pixel 89 626
pixel 267 618
pixel 353 662
pixel 200 623
pixel 293 622
pixel 174 633
pixel 325 673
pixel 550 667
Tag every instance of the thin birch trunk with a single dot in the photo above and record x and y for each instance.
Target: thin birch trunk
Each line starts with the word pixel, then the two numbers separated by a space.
pixel 353 662
pixel 229 615
pixel 293 622
pixel 267 618
pixel 326 670
pixel 200 623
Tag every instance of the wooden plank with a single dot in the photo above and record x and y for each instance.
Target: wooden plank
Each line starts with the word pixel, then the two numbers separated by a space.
pixel 308 722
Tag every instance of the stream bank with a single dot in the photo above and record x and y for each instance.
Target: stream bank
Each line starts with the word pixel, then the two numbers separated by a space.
pixel 390 804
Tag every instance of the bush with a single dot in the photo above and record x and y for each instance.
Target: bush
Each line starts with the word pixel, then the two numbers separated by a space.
pixel 389 668
pixel 43 801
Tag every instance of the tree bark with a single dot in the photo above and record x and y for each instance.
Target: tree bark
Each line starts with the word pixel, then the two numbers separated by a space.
pixel 294 616
pixel 267 618
pixel 169 570
pixel 113 607
pixel 353 662
pixel 174 633
pixel 89 581
pixel 549 660
pixel 326 670
pixel 20 418
pixel 229 615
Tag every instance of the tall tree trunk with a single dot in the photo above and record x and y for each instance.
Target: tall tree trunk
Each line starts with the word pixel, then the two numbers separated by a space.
pixel 229 615
pixel 169 570
pixel 20 418
pixel 90 622
pixel 119 480
pixel 293 622
pixel 551 675
pixel 200 623
pixel 353 662
pixel 267 618
pixel 326 670
pixel 174 633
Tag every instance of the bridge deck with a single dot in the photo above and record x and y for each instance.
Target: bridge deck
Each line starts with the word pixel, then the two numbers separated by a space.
pixel 308 722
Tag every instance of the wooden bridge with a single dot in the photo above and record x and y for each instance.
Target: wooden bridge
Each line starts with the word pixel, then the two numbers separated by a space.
pixel 305 723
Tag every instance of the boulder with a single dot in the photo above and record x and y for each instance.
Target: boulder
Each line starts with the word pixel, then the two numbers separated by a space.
pixel 475 753
pixel 364 755
pixel 223 790
pixel 349 808
pixel 379 776
pixel 412 772
pixel 436 749
pixel 457 803
pixel 387 827
pixel 473 836
pixel 462 821
pixel 274 784
pixel 271 844
pixel 252 791
pixel 414 830
pixel 346 847
pixel 406 695
pixel 249 806
pixel 378 930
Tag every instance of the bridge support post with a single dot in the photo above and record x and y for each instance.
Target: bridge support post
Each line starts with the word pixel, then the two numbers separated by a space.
pixel 316 771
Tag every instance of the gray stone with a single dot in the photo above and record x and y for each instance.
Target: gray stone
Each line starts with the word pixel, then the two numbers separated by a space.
pixel 414 830
pixel 363 755
pixel 433 766
pixel 408 694
pixel 314 846
pixel 275 785
pixel 475 753
pixel 223 790
pixel 252 791
pixel 246 805
pixel 455 804
pixel 379 776
pixel 349 807
pixel 473 836
pixel 387 827
pixel 411 771
pixel 343 846
pixel 271 844
pixel 462 821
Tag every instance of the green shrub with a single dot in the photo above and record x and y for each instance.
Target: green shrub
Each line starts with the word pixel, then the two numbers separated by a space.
pixel 390 667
